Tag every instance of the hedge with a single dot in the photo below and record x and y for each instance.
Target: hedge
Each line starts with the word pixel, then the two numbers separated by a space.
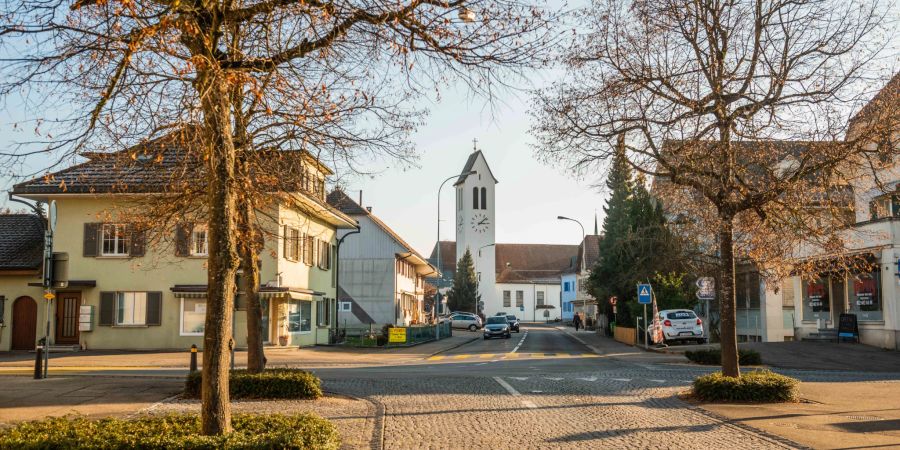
pixel 713 357
pixel 755 386
pixel 273 383
pixel 303 431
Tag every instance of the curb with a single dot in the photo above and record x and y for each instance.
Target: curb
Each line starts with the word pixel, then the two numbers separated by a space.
pixel 573 336
pixel 451 348
pixel 377 440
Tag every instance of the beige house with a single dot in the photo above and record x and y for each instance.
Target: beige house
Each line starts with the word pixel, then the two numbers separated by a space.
pixel 134 289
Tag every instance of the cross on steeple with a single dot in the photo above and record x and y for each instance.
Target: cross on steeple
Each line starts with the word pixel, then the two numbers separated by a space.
pixel 474 143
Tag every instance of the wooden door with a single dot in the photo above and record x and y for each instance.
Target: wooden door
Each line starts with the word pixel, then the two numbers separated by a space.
pixel 24 323
pixel 67 306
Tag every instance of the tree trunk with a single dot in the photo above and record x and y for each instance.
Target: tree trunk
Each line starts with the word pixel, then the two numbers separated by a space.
pixel 250 269
pixel 222 263
pixel 727 315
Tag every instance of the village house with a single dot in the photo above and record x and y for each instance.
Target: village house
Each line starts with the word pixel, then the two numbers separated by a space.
pixel 133 287
pixel 382 278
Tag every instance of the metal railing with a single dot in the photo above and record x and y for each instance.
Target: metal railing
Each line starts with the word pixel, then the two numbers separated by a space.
pixel 412 335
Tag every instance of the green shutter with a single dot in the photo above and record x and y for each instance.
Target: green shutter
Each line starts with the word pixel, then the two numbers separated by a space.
pixel 107 309
pixel 154 308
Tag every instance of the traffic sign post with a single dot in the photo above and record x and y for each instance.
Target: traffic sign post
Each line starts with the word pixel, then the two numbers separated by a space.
pixel 706 291
pixel 645 297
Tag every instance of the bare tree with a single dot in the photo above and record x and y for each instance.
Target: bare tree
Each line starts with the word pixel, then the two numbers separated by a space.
pixel 704 93
pixel 126 71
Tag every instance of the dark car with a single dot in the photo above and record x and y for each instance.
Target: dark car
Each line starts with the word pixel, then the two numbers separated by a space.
pixel 496 326
pixel 513 323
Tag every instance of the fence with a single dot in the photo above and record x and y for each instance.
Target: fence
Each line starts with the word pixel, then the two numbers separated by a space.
pixel 626 335
pixel 375 337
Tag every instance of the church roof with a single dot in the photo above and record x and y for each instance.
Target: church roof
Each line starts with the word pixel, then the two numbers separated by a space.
pixel 470 163
pixel 518 263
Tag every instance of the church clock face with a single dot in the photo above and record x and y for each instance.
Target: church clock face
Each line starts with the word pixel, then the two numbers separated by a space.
pixel 480 223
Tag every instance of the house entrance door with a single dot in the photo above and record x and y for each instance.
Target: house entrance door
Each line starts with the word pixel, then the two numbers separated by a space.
pixel 24 323
pixel 67 306
pixel 838 298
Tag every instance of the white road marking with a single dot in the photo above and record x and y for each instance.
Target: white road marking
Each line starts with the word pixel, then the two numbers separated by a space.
pixel 622 379
pixel 589 379
pixel 537 392
pixel 553 378
pixel 520 378
pixel 658 381
pixel 516 348
pixel 512 391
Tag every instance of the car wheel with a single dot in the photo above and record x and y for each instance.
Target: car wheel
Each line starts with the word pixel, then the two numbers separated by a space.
pixel 473 327
pixel 485 338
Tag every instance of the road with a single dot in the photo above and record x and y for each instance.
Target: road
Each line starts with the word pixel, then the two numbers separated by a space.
pixel 540 389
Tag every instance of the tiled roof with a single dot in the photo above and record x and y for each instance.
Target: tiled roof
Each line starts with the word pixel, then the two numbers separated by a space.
pixel 888 98
pixel 591 248
pixel 21 242
pixel 526 262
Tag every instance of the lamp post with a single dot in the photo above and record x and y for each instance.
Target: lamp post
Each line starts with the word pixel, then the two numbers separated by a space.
pixel 580 263
pixel 478 278
pixel 437 300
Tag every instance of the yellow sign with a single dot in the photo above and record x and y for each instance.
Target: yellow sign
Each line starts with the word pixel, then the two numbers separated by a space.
pixel 49 296
pixel 397 334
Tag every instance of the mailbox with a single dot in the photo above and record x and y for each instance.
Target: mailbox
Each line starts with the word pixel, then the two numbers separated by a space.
pixel 86 318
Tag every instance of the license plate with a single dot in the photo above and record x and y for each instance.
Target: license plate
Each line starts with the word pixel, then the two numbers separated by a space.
pixel 686 333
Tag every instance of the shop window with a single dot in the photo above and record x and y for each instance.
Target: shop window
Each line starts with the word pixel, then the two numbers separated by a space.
pixel 193 316
pixel 816 300
pixel 299 316
pixel 865 300
pixel 747 290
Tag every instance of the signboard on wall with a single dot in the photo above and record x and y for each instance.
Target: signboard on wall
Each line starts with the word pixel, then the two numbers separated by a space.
pixel 816 296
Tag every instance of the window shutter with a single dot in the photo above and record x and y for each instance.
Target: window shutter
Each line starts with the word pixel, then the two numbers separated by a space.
pixel 183 239
pixel 91 239
pixel 138 242
pixel 107 309
pixel 287 243
pixel 154 308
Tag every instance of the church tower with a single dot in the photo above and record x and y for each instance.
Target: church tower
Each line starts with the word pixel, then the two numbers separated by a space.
pixel 476 223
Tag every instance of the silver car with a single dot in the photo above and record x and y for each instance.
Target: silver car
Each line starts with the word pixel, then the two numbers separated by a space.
pixel 496 326
pixel 468 321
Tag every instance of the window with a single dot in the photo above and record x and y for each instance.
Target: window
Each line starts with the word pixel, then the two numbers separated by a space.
pixel 323 312
pixel 114 240
pixel 474 198
pixel 131 308
pixel 324 261
pixel 865 300
pixel 459 199
pixel 299 316
pixel 291 244
pixel 567 286
pixel 346 306
pixel 200 241
pixel 193 316
pixel 309 250
pixel 747 290
pixel 506 299
pixel 816 300
pixel 483 198
pixel 540 297
pixel 885 206
pixel 520 299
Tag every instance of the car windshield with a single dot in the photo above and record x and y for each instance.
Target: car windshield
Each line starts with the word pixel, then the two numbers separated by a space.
pixel 496 320
pixel 510 318
pixel 681 315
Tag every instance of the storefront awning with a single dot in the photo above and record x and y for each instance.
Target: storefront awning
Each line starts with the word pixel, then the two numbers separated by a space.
pixel 265 292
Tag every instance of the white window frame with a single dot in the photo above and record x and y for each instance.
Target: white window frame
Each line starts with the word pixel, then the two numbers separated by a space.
pixel 120 298
pixel 194 232
pixel 116 240
pixel 345 307
pixel 540 298
pixel 181 319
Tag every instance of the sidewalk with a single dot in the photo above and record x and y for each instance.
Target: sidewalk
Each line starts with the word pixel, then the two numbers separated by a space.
pixel 176 362
pixel 609 347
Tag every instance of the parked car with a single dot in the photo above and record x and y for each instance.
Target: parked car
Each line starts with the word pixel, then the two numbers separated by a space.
pixel 501 313
pixel 513 322
pixel 496 326
pixel 681 325
pixel 460 320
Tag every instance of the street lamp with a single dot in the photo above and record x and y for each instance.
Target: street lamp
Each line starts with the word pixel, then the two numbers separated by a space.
pixel 437 296
pixel 580 263
pixel 477 277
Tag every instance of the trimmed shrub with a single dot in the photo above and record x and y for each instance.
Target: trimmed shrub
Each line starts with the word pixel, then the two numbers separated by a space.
pixel 755 386
pixel 713 357
pixel 251 431
pixel 272 383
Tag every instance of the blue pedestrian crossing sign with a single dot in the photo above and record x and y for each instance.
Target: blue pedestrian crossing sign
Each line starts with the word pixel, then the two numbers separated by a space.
pixel 645 296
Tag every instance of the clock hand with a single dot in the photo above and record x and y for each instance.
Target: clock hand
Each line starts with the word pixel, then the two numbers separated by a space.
pixel 482 221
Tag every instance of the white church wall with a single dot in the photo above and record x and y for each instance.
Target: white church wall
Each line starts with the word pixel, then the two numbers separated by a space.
pixel 528 312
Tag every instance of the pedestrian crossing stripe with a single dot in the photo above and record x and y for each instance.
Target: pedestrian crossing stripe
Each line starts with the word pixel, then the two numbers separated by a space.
pixel 519 355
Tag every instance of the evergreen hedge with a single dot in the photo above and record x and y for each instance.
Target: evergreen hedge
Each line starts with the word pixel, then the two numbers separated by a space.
pixel 269 384
pixel 182 431
pixel 713 357
pixel 756 386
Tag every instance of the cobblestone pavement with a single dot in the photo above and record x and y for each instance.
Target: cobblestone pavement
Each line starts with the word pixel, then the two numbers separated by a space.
pixel 542 403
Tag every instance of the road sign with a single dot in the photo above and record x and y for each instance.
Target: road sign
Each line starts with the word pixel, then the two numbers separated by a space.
pixel 613 300
pixel 644 294
pixel 706 288
pixel 49 296
pixel 397 334
pixel 52 214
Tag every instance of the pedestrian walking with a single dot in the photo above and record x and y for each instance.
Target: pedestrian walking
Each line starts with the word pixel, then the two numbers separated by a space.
pixel 577 321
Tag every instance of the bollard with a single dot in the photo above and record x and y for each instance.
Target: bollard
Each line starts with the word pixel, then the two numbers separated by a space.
pixel 38 362
pixel 193 358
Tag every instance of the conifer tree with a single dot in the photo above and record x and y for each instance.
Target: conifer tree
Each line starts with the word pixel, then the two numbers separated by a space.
pixel 463 296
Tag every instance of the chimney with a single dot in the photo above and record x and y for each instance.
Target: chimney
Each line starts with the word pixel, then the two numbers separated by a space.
pixel 360 197
pixel 369 208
